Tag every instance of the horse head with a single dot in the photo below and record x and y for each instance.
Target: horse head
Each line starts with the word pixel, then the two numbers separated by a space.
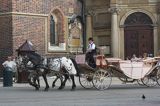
pixel 20 63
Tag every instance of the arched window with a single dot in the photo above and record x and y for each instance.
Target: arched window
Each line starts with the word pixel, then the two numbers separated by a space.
pixel 56 39
pixel 53 31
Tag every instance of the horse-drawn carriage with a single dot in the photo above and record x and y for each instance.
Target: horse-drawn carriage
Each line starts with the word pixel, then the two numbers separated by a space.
pixel 146 72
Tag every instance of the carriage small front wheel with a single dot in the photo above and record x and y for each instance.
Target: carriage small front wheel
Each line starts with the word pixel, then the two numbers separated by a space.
pixel 85 80
pixel 102 79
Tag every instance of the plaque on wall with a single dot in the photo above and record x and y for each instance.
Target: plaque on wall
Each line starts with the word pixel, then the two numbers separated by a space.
pixel 102 20
pixel 75 41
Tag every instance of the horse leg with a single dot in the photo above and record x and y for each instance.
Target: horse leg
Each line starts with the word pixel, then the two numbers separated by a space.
pixel 37 85
pixel 64 82
pixel 32 81
pixel 73 82
pixel 46 82
pixel 38 81
pixel 53 84
pixel 57 77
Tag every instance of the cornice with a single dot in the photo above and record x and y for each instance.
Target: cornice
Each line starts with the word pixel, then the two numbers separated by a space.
pixel 23 14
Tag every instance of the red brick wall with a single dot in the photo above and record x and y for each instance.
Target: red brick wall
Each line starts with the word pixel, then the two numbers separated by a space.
pixel 5 6
pixel 16 28
pixel 33 28
pixel 5 38
pixel 29 28
pixel 44 6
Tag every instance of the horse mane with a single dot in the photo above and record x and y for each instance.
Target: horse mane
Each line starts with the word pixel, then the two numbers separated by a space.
pixel 36 55
pixel 35 58
pixel 76 66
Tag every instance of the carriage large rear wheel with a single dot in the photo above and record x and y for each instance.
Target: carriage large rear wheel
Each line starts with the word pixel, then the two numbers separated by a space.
pixel 158 76
pixel 85 80
pixel 149 81
pixel 102 79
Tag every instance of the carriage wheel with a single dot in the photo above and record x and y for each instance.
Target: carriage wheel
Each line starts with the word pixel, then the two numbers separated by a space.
pixel 158 76
pixel 102 79
pixel 149 81
pixel 85 81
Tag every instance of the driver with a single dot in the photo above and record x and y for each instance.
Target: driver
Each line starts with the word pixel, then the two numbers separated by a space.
pixel 91 51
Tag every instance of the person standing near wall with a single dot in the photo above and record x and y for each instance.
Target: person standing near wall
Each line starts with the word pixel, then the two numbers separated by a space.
pixel 9 66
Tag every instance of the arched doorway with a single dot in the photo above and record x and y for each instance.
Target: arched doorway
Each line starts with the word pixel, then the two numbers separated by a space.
pixel 138 35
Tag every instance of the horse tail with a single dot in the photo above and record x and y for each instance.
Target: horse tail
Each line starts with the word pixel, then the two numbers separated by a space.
pixel 76 66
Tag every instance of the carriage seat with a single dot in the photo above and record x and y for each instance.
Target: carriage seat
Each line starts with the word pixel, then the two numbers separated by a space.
pixel 100 61
pixel 80 59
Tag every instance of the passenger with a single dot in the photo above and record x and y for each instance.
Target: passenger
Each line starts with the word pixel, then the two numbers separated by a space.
pixel 134 58
pixel 91 51
pixel 145 56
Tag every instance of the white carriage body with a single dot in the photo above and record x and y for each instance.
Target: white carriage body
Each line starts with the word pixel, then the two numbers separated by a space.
pixel 134 69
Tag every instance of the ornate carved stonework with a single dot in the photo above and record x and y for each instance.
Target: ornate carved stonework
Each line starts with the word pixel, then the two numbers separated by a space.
pixel 114 10
pixel 75 36
pixel 158 8
pixel 138 18
pixel 91 12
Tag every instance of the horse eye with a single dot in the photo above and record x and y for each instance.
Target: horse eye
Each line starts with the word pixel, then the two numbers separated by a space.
pixel 71 64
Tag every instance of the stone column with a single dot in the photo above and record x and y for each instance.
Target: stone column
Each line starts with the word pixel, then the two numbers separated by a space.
pixel 155 40
pixel 114 32
pixel 88 28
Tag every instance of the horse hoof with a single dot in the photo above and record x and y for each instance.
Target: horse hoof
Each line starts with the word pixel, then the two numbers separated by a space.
pixel 61 87
pixel 46 89
pixel 53 86
pixel 73 89
pixel 37 89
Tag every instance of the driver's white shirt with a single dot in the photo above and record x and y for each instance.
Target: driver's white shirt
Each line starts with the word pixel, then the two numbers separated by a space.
pixel 91 46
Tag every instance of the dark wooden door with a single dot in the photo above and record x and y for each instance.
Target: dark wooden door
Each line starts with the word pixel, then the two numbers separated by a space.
pixel 138 35
pixel 138 40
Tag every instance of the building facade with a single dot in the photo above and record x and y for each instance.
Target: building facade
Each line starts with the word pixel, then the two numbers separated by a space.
pixel 53 26
pixel 125 27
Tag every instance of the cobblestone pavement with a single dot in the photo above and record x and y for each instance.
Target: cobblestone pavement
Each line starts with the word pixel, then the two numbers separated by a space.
pixel 118 95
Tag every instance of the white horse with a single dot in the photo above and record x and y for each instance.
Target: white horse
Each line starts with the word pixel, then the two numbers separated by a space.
pixel 66 67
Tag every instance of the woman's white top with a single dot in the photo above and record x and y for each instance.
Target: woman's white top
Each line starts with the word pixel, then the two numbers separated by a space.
pixel 10 64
